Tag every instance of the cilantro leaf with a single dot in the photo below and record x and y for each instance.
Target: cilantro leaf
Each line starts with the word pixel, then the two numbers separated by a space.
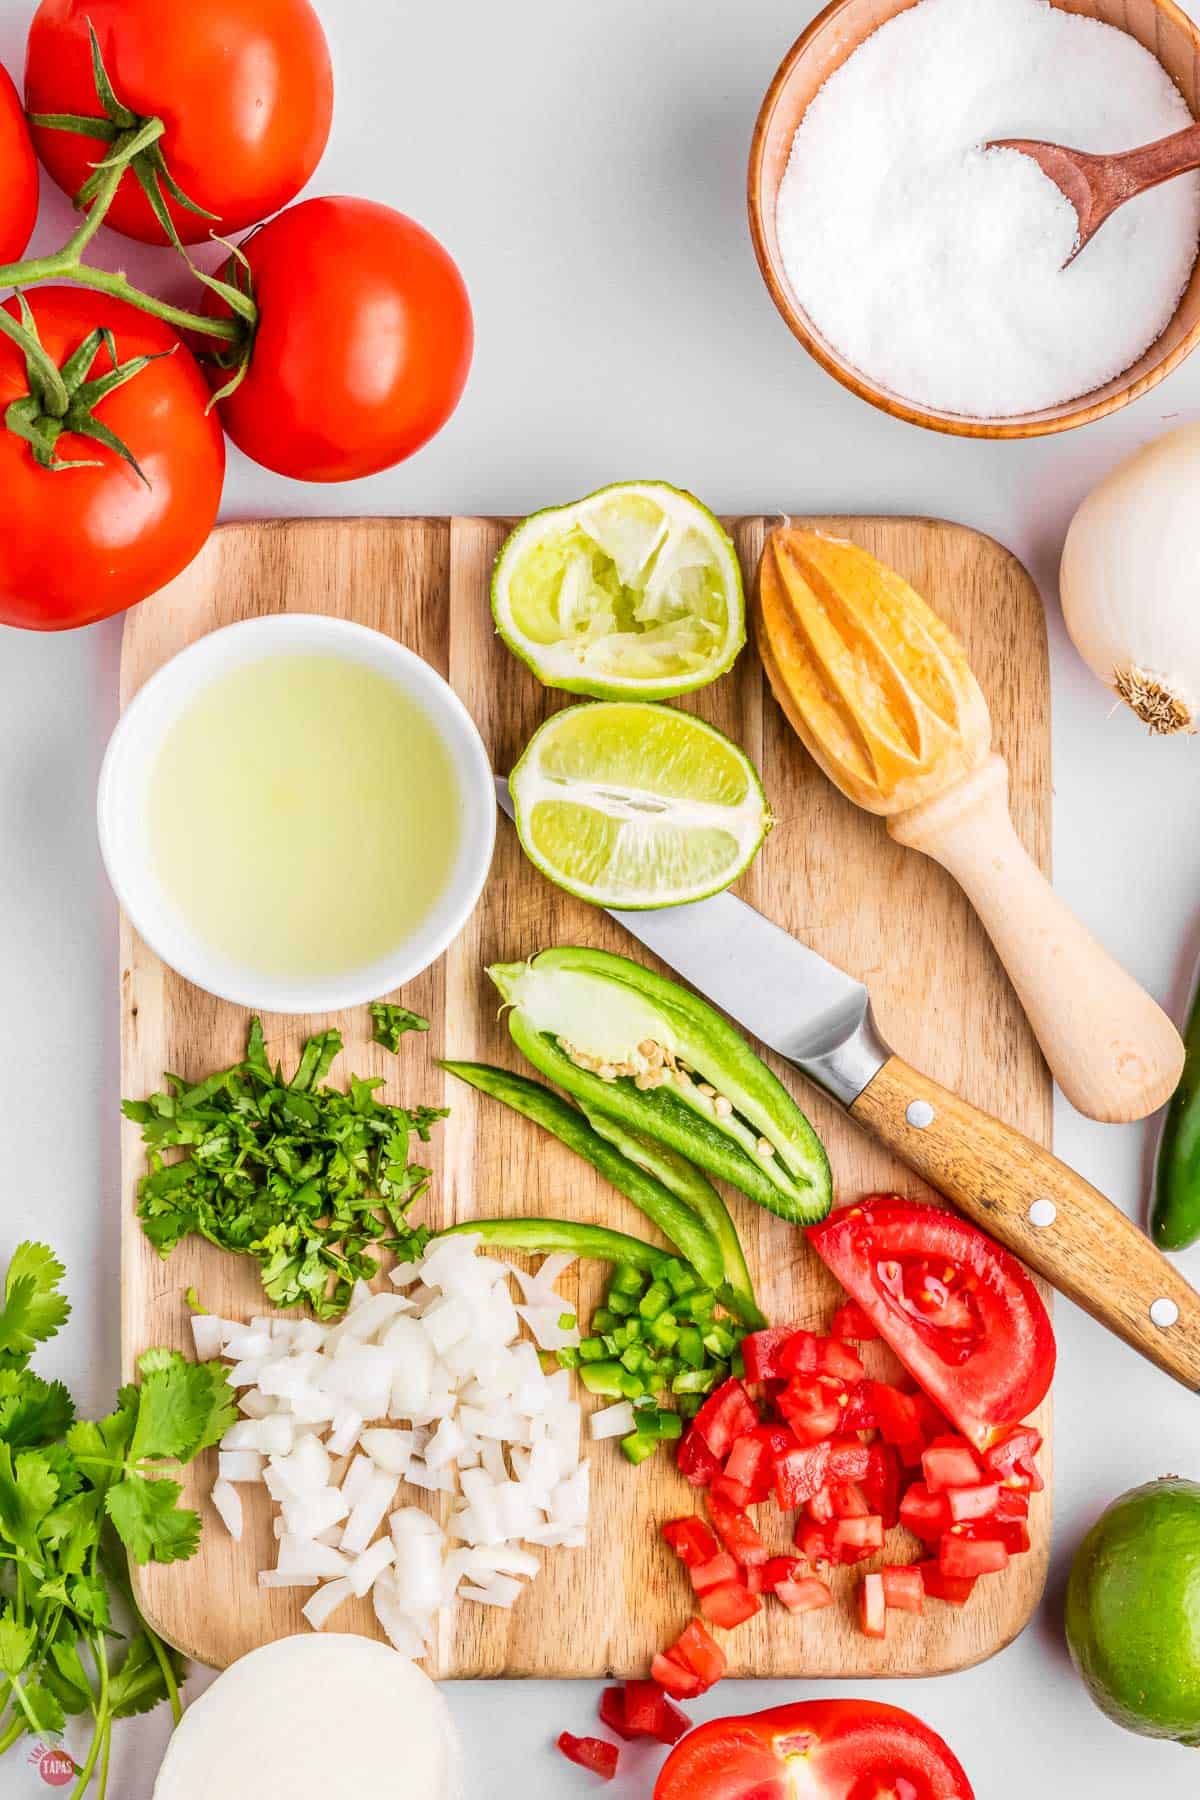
pixel 32 1411
pixel 28 1490
pixel 138 1684
pixel 45 1706
pixel 174 1404
pixel 33 1308
pixel 16 1642
pixel 391 1023
pixel 149 1521
pixel 101 1445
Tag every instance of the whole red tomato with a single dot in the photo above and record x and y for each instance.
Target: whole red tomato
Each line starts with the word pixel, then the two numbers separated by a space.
pixel 19 181
pixel 243 87
pixel 79 544
pixel 363 344
pixel 823 1749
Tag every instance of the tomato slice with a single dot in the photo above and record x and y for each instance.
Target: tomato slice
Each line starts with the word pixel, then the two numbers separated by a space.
pixel 825 1749
pixel 963 1316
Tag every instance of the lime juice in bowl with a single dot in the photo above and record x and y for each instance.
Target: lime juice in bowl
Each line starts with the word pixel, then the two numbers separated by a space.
pixel 297 813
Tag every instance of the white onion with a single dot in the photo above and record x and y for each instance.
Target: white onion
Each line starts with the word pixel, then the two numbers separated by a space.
pixel 228 1503
pixel 208 1335
pixel 476 1417
pixel 325 1602
pixel 1128 582
pixel 614 1421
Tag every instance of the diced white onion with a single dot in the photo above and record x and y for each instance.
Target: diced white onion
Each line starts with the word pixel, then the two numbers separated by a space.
pixel 325 1602
pixel 614 1421
pixel 239 1465
pixel 228 1503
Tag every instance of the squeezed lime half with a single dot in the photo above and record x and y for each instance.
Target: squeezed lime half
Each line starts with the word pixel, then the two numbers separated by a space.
pixel 633 805
pixel 634 591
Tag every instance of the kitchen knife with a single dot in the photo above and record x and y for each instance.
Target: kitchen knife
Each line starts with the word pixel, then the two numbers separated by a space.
pixel 819 1019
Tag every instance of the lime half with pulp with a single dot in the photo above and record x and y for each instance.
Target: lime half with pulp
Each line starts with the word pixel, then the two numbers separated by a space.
pixel 632 805
pixel 635 592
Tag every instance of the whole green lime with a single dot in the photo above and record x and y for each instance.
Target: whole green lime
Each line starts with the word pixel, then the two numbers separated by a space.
pixel 1133 1610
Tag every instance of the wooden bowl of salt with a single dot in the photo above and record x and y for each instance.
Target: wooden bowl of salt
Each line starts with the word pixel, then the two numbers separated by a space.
pixel 834 35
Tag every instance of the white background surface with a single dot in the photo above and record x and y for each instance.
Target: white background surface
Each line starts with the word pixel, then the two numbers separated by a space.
pixel 585 164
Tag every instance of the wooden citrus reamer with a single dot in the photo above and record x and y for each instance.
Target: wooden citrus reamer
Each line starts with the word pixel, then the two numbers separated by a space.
pixel 880 692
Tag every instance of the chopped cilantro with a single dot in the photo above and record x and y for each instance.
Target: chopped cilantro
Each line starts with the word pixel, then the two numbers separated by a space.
pixel 306 1179
pixel 391 1023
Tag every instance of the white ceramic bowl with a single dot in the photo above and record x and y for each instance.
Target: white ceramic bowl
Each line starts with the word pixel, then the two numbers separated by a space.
pixel 122 811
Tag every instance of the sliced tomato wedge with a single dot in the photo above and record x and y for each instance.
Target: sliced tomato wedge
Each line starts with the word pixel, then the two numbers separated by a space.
pixel 828 1749
pixel 963 1316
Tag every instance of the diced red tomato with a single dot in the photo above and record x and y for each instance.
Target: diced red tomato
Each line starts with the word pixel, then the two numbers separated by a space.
pixel 851 1325
pixel 749 1464
pixel 897 1416
pixel 729 1605
pixel 800 1473
pixel 926 1515
pixel 734 1495
pixel 814 1541
pixel 808 1594
pixel 855 1539
pixel 675 1677
pixel 1011 1459
pixel 848 1501
pixel 737 1532
pixel 872 1607
pixel 698 1650
pixel 752 1579
pixel 881 1483
pixel 950 1466
pixel 858 1412
pixel 799 1355
pixel 711 1574
pixel 1012 1533
pixel 820 1507
pixel 964 1558
pixel 648 1713
pixel 761 1351
pixel 695 1461
pixel 972 1502
pixel 612 1713
pixel 782 1568
pixel 810 1408
pixel 903 1588
pixel 725 1415
pixel 590 1753
pixel 955 1590
pixel 691 1540
pixel 849 1460
pixel 839 1361
pixel 960 1312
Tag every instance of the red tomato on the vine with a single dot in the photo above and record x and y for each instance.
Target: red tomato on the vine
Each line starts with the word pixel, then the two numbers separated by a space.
pixel 243 87
pixel 18 174
pixel 79 544
pixel 846 1749
pixel 363 345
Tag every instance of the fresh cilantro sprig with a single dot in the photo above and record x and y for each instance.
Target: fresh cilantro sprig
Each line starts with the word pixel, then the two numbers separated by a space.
pixel 79 1499
pixel 392 1021
pixel 308 1180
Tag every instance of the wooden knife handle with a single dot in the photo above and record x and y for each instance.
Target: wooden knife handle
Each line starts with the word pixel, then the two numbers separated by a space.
pixel 1050 1216
pixel 1111 1048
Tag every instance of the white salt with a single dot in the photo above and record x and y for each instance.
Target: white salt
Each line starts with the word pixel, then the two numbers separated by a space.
pixel 935 266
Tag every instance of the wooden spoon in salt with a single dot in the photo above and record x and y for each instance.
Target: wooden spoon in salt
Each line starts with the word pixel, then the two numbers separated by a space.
pixel 1097 185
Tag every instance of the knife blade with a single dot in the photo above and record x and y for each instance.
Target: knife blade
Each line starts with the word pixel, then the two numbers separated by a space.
pixel 819 1019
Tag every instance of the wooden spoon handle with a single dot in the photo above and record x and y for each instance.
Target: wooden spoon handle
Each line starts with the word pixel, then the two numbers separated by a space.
pixel 1110 1047
pixel 1149 165
pixel 1047 1214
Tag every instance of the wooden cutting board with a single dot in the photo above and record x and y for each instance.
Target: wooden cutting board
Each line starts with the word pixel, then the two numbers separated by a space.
pixel 828 873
